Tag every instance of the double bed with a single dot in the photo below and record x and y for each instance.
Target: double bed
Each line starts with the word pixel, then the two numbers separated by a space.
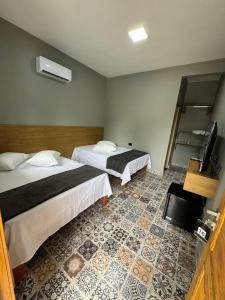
pixel 87 155
pixel 26 231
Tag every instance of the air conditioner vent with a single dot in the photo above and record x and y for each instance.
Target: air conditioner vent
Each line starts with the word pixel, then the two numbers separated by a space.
pixel 52 69
pixel 54 75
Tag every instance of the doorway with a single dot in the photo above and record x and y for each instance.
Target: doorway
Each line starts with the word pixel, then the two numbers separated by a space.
pixel 196 101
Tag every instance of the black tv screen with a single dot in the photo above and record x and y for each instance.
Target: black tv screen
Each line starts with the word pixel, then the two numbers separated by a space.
pixel 208 143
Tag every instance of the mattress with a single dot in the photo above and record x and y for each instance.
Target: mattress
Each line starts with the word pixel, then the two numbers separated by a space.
pixel 87 155
pixel 26 232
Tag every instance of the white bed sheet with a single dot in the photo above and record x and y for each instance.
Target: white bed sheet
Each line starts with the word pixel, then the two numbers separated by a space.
pixel 87 155
pixel 26 232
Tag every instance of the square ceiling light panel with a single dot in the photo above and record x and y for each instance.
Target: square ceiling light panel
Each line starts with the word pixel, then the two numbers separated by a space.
pixel 138 34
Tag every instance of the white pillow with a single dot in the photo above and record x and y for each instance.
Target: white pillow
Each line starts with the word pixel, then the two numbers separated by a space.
pixel 10 160
pixel 104 148
pixel 106 142
pixel 45 158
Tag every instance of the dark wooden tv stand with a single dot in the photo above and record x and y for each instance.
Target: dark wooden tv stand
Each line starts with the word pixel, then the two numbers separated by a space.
pixel 204 184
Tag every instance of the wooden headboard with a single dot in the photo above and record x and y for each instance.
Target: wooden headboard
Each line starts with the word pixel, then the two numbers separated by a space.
pixel 33 138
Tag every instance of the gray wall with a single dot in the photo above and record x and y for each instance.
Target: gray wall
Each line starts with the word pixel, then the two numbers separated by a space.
pixel 140 107
pixel 201 92
pixel 28 98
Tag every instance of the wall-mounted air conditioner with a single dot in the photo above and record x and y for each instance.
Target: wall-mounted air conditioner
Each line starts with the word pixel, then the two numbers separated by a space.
pixel 50 68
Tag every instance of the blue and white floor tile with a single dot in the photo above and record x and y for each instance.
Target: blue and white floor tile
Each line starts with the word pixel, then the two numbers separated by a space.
pixel 123 251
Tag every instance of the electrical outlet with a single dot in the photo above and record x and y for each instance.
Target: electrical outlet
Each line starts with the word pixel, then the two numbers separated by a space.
pixel 201 232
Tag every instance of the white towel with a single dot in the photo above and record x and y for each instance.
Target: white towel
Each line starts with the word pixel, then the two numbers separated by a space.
pixel 199 132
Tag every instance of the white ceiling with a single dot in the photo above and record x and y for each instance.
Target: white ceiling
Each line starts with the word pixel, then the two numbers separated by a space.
pixel 94 32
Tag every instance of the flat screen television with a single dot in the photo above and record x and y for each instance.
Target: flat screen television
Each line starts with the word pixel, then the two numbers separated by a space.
pixel 208 144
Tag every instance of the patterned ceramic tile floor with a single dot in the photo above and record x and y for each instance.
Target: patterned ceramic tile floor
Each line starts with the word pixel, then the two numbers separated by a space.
pixel 122 251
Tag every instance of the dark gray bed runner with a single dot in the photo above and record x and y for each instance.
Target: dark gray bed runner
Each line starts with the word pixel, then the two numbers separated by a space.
pixel 118 162
pixel 25 197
